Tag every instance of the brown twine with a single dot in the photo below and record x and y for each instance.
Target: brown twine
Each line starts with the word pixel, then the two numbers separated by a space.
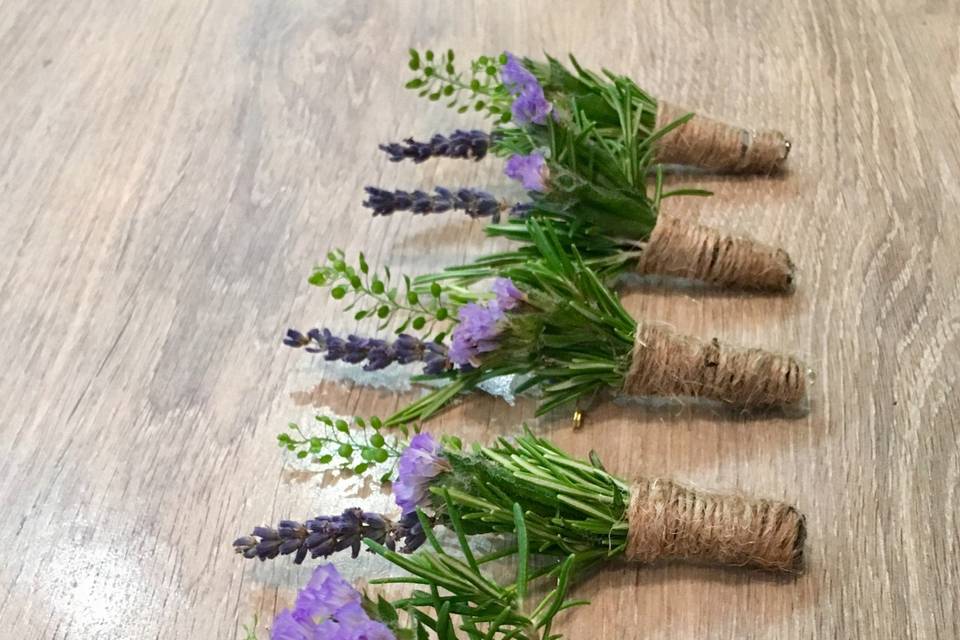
pixel 689 250
pixel 668 521
pixel 667 364
pixel 711 144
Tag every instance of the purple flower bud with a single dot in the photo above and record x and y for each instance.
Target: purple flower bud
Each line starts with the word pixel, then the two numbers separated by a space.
pixel 328 607
pixel 531 171
pixel 419 464
pixel 508 296
pixel 476 333
pixel 529 102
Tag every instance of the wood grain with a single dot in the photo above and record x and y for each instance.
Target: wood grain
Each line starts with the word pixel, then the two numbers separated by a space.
pixel 169 172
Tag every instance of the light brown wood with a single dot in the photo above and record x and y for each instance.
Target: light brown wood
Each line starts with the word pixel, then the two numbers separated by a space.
pixel 169 172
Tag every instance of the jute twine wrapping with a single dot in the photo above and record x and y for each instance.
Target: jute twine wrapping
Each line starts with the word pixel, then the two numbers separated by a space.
pixel 688 250
pixel 668 521
pixel 668 364
pixel 711 144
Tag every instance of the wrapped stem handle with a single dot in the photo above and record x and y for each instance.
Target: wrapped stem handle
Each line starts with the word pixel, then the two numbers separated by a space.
pixel 668 521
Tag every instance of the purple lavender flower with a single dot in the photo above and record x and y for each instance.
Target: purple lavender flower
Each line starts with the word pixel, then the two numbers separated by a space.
pixel 460 144
pixel 325 535
pixel 473 202
pixel 531 171
pixel 378 354
pixel 508 296
pixel 476 333
pixel 328 608
pixel 419 464
pixel 529 102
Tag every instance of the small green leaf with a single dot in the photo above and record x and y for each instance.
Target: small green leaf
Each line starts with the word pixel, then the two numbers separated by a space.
pixel 491 70
pixel 416 83
pixel 386 611
pixel 345 450
pixel 360 468
pixel 380 455
pixel 377 286
pixel 383 311
pixel 375 423
pixel 356 282
pixel 367 453
pixel 342 426
pixel 377 440
pixel 429 55
pixel 419 322
pixel 474 85
pixel 442 313
pixel 450 56
pixel 412 297
pixel 302 454
pixel 338 292
pixel 325 458
pixel 435 289
pixel 318 279
pixel 360 315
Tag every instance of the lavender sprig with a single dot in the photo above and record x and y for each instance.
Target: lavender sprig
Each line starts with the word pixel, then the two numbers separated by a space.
pixel 325 535
pixel 472 144
pixel 473 202
pixel 378 354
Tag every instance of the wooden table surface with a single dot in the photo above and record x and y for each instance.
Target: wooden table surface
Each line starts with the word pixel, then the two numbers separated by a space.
pixel 170 172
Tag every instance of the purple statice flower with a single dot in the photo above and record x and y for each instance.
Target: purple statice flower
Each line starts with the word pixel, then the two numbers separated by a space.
pixel 352 623
pixel 529 102
pixel 531 171
pixel 328 608
pixel 515 76
pixel 419 464
pixel 459 144
pixel 376 354
pixel 508 296
pixel 476 333
pixel 326 592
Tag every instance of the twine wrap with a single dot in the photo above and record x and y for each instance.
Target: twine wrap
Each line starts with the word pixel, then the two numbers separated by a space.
pixel 668 521
pixel 687 250
pixel 711 144
pixel 667 364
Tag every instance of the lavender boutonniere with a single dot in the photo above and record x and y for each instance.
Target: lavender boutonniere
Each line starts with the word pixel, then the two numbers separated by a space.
pixel 551 319
pixel 575 510
pixel 584 145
